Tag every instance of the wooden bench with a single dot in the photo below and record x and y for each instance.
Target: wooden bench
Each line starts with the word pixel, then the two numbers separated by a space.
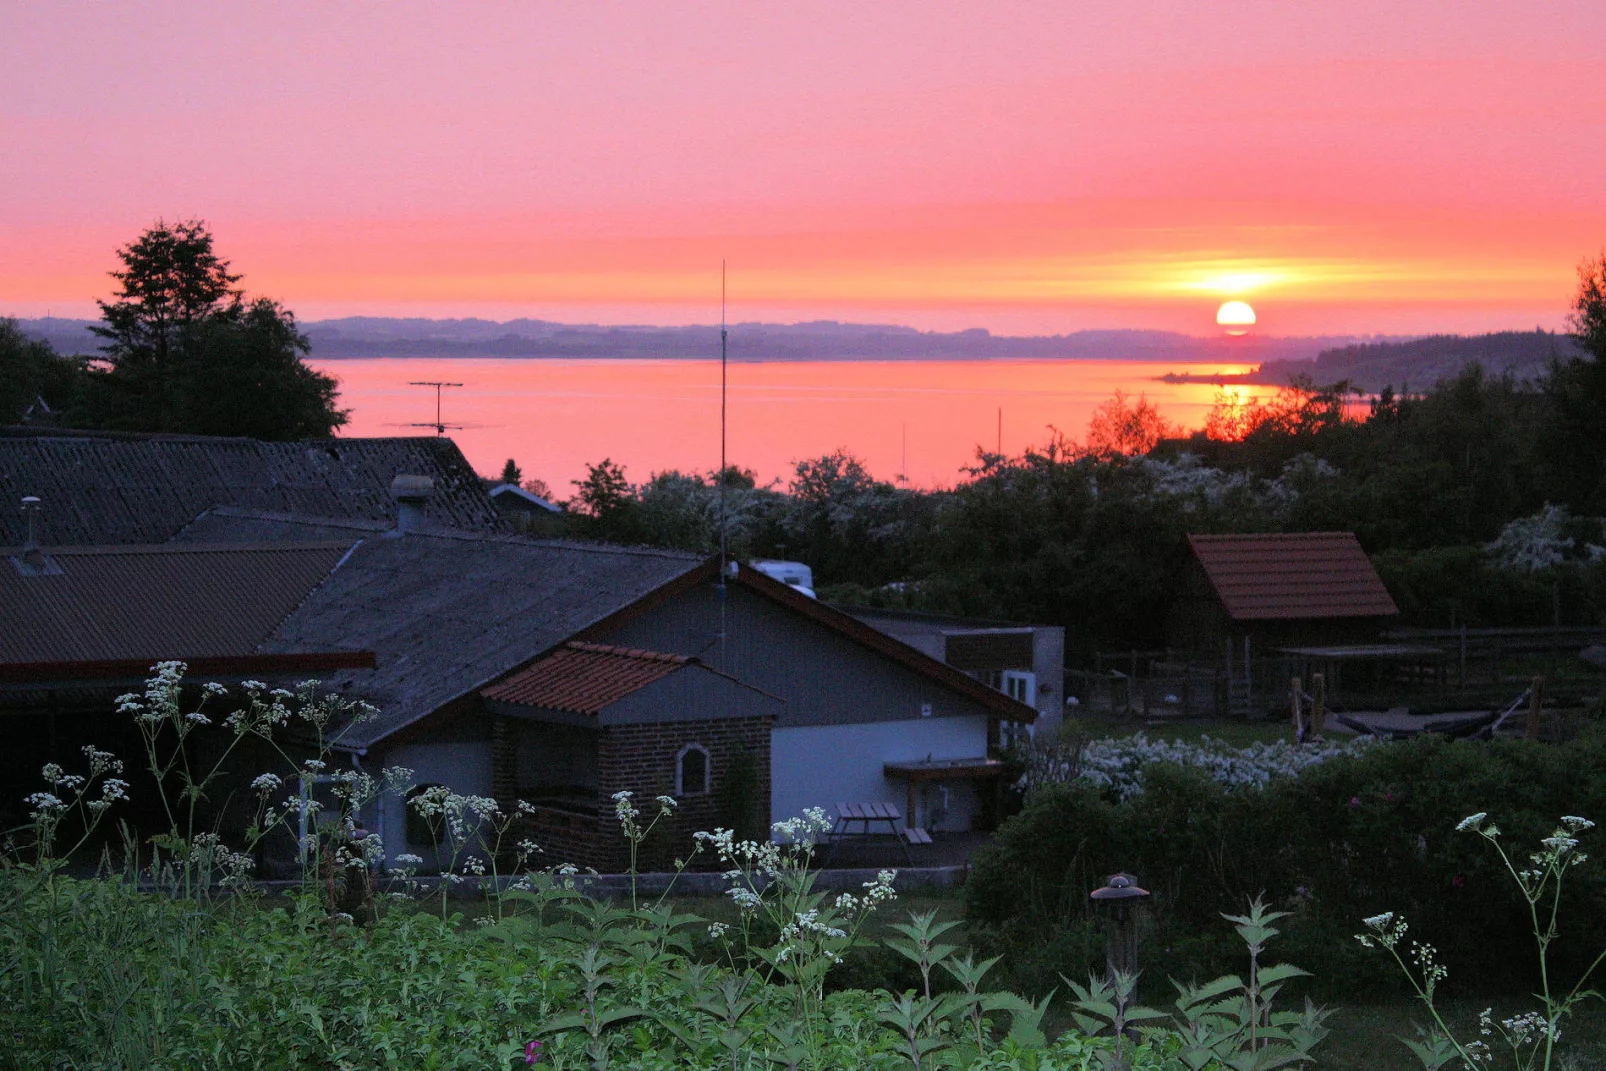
pixel 916 835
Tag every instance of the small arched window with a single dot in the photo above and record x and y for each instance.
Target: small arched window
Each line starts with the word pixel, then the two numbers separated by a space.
pixel 691 771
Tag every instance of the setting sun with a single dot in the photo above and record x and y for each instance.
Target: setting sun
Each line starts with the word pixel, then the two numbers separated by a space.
pixel 1236 316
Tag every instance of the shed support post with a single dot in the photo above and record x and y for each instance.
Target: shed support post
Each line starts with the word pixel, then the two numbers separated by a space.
pixel 1294 690
pixel 1536 704
pixel 1249 679
pixel 1318 706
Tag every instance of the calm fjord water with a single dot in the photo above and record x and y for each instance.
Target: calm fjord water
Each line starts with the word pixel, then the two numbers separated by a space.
pixel 556 416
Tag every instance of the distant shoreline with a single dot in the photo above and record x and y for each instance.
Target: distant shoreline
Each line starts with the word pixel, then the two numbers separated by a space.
pixel 1222 379
pixel 899 358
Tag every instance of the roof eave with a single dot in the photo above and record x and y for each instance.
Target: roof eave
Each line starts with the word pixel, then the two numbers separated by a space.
pixel 227 665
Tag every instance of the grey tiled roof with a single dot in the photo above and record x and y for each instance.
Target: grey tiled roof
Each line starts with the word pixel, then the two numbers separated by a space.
pixel 230 524
pixel 99 489
pixel 447 614
pixel 155 602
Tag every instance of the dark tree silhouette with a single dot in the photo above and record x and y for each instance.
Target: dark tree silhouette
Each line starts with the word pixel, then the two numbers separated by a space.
pixel 1575 438
pixel 186 352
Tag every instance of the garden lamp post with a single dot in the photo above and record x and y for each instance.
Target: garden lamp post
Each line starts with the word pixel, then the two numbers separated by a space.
pixel 1120 898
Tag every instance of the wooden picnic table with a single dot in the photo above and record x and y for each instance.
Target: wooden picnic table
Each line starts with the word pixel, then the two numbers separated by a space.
pixel 866 815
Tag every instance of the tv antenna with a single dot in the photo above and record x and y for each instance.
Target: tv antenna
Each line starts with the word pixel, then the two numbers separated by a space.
pixel 440 428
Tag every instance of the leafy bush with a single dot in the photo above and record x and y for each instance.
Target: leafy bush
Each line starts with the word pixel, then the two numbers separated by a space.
pixel 1348 838
pixel 1527 1040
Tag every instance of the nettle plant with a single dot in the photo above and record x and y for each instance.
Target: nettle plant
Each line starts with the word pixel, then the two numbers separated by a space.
pixel 173 960
pixel 1231 1023
pixel 1527 1040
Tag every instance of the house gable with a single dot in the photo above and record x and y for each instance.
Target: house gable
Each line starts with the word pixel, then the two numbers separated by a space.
pixel 825 676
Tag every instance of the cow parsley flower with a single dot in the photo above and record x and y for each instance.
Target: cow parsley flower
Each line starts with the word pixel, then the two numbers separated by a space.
pixel 45 804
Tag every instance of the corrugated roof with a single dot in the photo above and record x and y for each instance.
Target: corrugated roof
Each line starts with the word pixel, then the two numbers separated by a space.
pixel 154 603
pixel 1304 575
pixel 583 678
pixel 100 489
pixel 445 615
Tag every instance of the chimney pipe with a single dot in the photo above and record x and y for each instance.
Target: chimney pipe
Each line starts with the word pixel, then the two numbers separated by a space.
pixel 412 494
pixel 33 561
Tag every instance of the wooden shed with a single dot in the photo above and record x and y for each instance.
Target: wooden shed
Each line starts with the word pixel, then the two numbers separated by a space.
pixel 1241 597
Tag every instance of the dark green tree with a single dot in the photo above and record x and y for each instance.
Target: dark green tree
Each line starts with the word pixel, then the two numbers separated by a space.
pixel 850 527
pixel 511 473
pixel 242 373
pixel 1589 308
pixel 171 280
pixel 1574 438
pixel 605 504
pixel 32 372
pixel 185 352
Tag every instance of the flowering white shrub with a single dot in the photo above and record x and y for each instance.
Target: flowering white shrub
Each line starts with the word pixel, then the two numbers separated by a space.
pixel 1545 540
pixel 1118 764
pixel 1193 483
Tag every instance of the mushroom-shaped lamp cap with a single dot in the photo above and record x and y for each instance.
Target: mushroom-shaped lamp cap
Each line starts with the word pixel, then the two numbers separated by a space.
pixel 1119 887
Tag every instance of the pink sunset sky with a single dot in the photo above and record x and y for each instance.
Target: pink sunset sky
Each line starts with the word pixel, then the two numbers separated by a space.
pixel 1356 166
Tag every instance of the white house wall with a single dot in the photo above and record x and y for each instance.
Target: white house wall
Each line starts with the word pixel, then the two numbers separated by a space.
pixel 823 765
pixel 464 766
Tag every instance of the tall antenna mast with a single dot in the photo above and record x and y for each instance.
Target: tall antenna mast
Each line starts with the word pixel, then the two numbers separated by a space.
pixel 723 550
pixel 723 334
pixel 440 428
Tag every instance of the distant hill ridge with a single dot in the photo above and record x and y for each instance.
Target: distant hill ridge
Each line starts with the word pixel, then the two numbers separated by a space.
pixel 362 336
pixel 1421 362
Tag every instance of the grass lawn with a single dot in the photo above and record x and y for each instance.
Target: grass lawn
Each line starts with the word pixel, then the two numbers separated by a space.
pixel 1365 1036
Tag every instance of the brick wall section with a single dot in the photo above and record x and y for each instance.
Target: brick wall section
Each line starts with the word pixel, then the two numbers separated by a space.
pixel 504 760
pixel 566 837
pixel 641 758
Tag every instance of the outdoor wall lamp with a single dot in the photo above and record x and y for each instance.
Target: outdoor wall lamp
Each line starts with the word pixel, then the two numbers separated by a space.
pixel 1119 898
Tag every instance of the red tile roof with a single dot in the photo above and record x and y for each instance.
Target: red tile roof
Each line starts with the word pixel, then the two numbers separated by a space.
pixel 583 678
pixel 1305 575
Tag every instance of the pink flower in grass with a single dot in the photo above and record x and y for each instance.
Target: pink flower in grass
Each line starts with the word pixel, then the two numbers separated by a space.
pixel 532 1052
